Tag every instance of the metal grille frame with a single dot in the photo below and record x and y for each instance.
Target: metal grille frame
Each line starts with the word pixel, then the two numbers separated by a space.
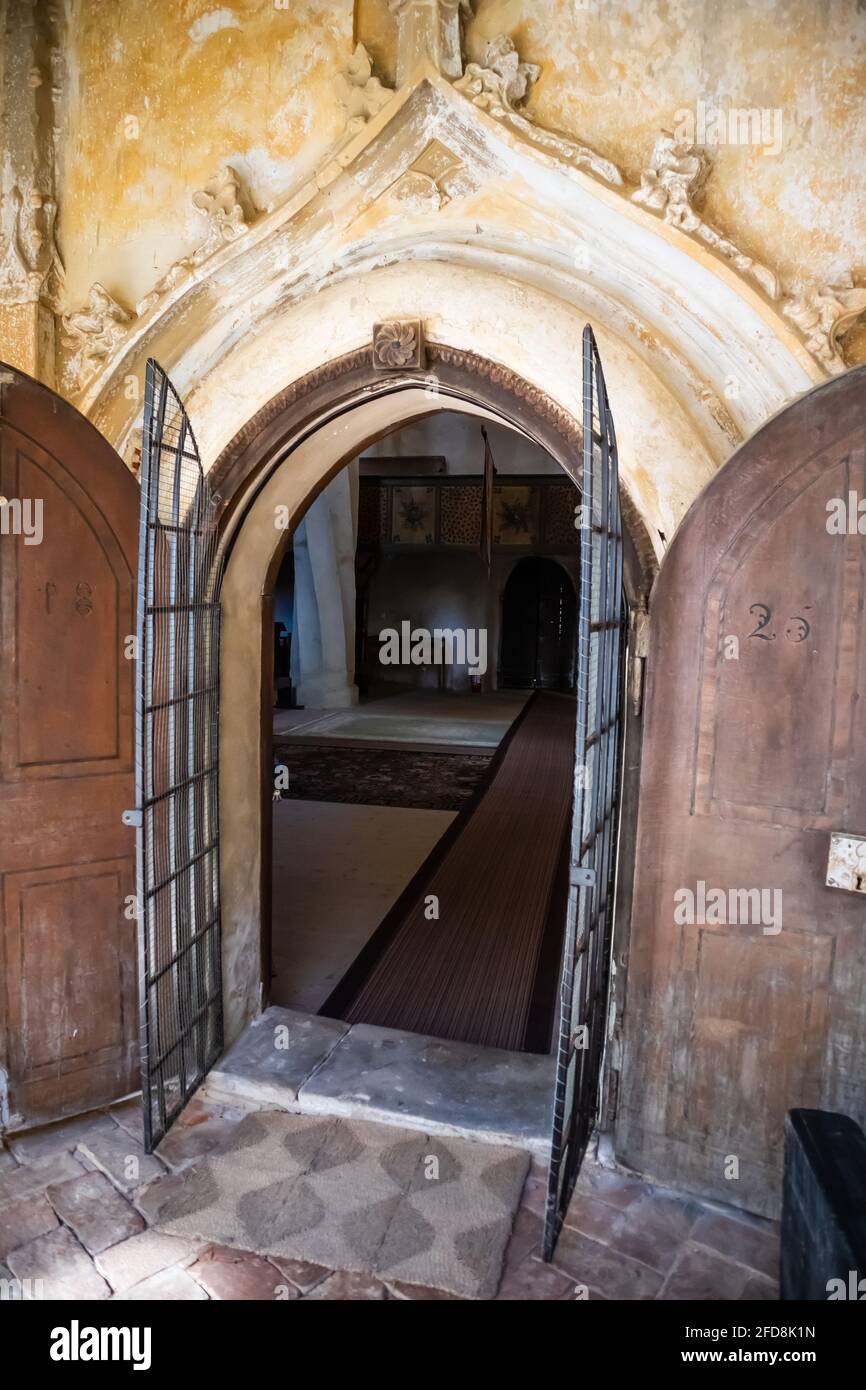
pixel 598 744
pixel 176 731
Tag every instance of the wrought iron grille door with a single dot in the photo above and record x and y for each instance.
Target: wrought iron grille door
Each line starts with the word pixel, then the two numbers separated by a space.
pixel 177 812
pixel 589 920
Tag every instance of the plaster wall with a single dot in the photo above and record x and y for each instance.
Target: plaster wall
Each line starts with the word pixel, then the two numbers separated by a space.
pixel 457 439
pixel 252 82
pixel 160 95
pixel 445 591
pixel 664 461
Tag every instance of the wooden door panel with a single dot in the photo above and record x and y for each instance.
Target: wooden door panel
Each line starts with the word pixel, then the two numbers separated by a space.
pixel 35 828
pixel 67 949
pixel 757 1021
pixel 71 996
pixel 752 754
pixel 786 623
pixel 73 607
pixel 795 626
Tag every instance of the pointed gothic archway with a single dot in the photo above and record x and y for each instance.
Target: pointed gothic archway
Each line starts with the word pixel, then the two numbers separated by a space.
pixel 277 466
pixel 284 457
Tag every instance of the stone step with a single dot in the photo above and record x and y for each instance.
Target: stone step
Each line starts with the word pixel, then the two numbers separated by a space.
pixel 312 1065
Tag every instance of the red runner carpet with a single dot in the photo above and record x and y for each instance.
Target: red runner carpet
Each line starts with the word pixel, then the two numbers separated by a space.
pixel 477 972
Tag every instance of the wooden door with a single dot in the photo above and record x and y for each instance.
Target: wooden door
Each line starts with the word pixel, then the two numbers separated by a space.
pixel 67 606
pixel 741 1008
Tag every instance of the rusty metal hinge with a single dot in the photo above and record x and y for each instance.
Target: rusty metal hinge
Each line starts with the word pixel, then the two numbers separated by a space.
pixel 638 643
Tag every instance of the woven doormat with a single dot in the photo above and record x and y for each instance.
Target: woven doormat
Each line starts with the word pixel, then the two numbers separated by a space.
pixel 357 1196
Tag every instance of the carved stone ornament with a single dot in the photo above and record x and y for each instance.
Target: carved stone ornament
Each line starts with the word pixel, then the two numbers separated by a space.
pixel 823 315
pixel 93 334
pixel 501 82
pixel 221 201
pixel 676 174
pixel 670 187
pixel 30 266
pixel 360 93
pixel 431 181
pixel 397 343
pixel 431 30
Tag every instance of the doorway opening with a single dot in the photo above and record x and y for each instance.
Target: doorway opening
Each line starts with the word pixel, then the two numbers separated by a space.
pixel 539 612
pixel 286 457
pixel 421 807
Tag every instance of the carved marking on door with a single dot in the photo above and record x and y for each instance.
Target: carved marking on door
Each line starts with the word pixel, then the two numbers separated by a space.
pixel 797 628
pixel 83 599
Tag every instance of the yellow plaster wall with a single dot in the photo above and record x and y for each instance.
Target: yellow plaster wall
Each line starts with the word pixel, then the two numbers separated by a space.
pixel 245 82
pixel 616 72
pixel 252 82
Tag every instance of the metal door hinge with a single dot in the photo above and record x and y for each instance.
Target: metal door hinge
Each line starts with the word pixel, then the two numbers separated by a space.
pixel 132 818
pixel 638 650
pixel 581 878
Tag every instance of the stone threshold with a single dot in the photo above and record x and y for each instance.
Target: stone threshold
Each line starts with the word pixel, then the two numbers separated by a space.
pixel 320 1066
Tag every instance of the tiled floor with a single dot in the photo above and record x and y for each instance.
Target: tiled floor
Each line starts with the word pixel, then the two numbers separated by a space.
pixel 77 1201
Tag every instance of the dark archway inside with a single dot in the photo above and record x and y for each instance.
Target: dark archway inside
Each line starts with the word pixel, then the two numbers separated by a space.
pixel 538 626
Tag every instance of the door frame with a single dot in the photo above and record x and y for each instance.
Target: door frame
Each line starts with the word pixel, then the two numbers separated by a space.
pixel 267 443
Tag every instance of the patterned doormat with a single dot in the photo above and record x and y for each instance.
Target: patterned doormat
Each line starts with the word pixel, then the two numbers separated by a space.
pixel 357 1196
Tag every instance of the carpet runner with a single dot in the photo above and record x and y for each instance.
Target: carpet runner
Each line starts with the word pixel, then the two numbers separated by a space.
pixel 484 969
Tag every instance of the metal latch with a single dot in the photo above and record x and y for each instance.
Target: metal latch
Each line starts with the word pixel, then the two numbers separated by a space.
pixel 846 863
pixel 132 818
pixel 581 878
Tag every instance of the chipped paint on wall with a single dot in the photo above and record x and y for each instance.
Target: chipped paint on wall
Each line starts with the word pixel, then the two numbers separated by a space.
pixel 163 96
pixel 615 72
pixel 253 84
pixel 159 96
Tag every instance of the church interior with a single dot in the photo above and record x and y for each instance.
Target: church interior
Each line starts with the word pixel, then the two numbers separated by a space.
pixel 432 502
pixel 386 760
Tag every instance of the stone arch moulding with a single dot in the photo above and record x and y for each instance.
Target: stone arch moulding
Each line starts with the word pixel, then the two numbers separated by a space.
pixel 448 193
pixel 448 373
pixel 283 457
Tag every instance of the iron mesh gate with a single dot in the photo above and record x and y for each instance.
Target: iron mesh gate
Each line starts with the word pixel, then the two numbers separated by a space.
pixel 589 922
pixel 177 812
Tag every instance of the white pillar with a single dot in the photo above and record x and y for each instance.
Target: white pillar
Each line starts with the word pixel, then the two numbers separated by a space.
pixel 323 638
